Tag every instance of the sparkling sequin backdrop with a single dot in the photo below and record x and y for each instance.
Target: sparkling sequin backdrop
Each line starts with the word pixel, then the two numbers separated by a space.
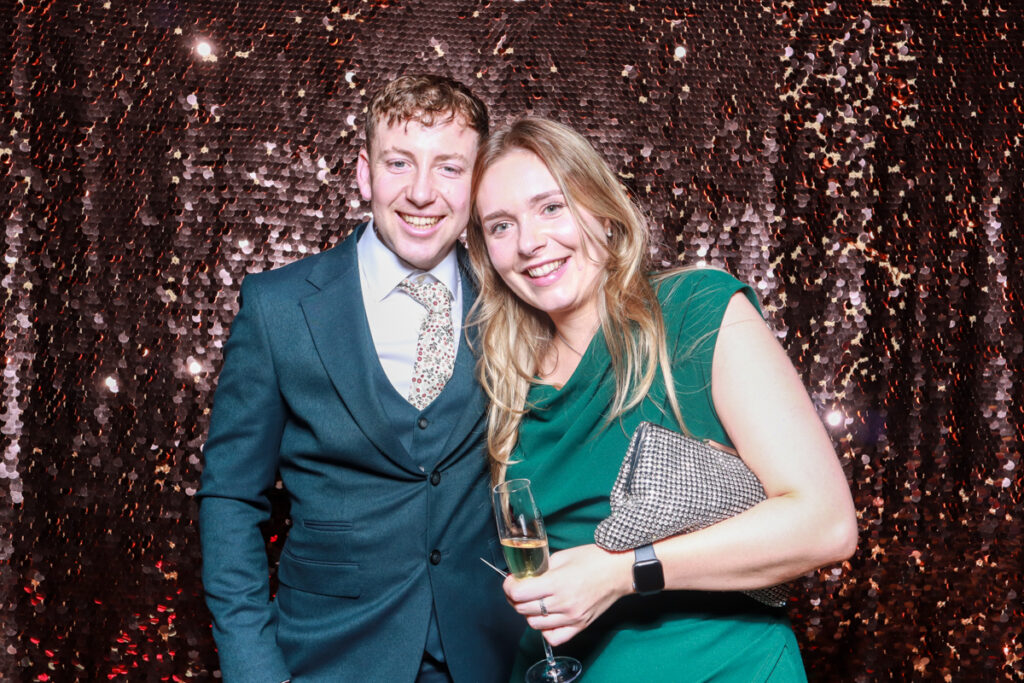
pixel 859 162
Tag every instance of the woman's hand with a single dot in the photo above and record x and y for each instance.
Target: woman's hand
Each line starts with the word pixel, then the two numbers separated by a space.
pixel 579 585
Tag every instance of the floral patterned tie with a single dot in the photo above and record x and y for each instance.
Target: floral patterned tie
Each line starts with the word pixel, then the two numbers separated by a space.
pixel 435 349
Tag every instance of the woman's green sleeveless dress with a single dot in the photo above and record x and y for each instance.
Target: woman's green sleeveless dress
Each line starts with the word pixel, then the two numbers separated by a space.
pixel 572 458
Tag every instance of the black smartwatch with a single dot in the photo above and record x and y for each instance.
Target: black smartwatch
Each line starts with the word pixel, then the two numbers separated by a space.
pixel 648 576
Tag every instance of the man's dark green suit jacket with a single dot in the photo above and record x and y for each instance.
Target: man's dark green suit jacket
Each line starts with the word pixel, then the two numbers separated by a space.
pixel 374 539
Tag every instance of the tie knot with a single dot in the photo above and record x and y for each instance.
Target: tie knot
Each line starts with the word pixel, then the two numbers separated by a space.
pixel 430 293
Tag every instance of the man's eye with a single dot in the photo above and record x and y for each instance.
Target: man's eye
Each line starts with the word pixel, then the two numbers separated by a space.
pixel 398 164
pixel 451 170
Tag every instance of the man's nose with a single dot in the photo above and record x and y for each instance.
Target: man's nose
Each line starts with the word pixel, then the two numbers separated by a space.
pixel 421 190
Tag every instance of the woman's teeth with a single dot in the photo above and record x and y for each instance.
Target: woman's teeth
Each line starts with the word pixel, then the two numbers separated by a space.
pixel 550 267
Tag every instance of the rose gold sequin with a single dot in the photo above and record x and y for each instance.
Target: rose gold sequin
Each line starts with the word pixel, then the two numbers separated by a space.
pixel 858 162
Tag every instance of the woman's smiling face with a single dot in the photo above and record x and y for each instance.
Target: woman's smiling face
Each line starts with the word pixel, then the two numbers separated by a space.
pixel 534 242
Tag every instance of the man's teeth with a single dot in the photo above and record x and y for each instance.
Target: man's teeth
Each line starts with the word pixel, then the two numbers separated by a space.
pixel 420 221
pixel 541 271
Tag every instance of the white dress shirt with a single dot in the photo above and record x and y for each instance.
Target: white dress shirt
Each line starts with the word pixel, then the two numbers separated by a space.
pixel 394 316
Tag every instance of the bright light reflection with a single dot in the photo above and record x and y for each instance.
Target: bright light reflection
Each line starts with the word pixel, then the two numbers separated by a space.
pixel 204 49
pixel 834 418
pixel 111 383
pixel 680 51
pixel 195 368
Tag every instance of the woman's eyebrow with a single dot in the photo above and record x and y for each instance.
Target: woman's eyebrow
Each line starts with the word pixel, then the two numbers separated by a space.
pixel 532 201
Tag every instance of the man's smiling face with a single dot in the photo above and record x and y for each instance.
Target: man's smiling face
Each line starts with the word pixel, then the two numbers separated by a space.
pixel 417 180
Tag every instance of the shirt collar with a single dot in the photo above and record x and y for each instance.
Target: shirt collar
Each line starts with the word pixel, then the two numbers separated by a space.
pixel 382 270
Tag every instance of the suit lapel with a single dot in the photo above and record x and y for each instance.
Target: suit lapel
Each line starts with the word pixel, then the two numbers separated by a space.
pixel 341 334
pixel 464 372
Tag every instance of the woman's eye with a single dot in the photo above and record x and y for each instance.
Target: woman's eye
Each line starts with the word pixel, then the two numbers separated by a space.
pixel 552 209
pixel 498 228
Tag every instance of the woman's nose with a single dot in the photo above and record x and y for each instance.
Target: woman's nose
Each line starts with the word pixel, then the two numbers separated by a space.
pixel 531 237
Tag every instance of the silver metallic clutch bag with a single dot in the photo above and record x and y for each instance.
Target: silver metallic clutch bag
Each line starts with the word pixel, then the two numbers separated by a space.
pixel 671 484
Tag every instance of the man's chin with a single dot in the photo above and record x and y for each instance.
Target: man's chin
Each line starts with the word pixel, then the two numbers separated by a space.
pixel 419 249
pixel 426 256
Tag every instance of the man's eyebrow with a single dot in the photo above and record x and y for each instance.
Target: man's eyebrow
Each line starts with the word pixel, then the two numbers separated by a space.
pixel 453 155
pixel 439 157
pixel 533 201
pixel 395 150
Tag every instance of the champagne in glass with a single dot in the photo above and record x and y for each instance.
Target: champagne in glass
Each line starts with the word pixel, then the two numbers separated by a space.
pixel 525 544
pixel 525 556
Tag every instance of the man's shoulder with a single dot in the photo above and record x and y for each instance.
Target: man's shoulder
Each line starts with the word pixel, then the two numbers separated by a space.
pixel 327 263
pixel 298 269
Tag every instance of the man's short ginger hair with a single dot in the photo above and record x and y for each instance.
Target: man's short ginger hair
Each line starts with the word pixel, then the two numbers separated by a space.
pixel 427 99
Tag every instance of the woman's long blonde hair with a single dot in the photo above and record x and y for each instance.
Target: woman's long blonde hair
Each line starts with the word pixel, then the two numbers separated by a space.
pixel 514 337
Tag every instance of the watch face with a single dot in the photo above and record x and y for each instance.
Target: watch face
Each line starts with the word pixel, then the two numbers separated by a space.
pixel 648 576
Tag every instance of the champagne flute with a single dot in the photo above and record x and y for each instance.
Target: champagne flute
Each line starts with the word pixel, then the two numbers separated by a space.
pixel 525 544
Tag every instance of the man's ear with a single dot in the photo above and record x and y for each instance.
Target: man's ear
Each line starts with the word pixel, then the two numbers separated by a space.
pixel 363 174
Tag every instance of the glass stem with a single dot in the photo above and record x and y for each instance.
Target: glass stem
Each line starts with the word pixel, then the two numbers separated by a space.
pixel 547 652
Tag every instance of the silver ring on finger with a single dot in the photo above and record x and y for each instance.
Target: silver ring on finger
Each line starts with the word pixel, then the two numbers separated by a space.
pixel 543 608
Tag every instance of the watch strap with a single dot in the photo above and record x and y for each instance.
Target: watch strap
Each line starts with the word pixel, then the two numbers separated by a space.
pixel 644 553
